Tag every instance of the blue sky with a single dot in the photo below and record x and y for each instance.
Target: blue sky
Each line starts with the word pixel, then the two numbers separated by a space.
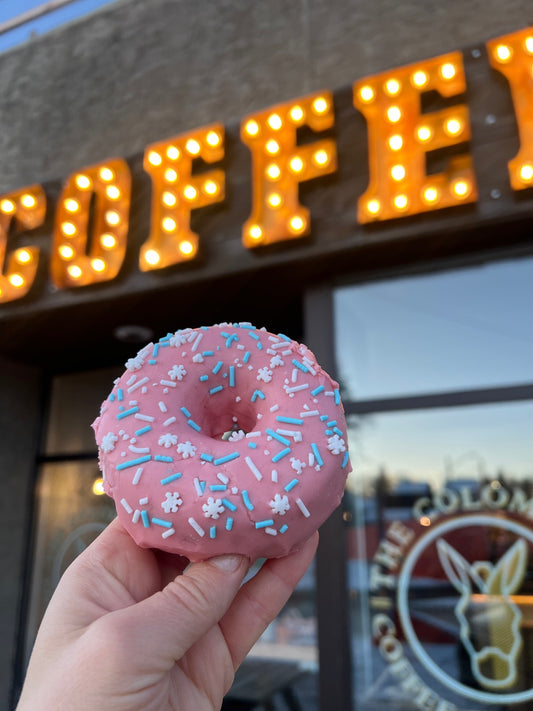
pixel 13 8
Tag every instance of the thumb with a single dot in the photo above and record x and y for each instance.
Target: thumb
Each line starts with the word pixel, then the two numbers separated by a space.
pixel 166 624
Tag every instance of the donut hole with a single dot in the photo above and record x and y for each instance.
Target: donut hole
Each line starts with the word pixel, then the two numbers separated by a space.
pixel 226 416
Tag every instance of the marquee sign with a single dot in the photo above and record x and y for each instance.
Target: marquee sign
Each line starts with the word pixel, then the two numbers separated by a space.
pixel 97 198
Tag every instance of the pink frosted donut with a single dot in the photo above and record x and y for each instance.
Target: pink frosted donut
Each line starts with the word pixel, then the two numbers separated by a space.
pixel 220 440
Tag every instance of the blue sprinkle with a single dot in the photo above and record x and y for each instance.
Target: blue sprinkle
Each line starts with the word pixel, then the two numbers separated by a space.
pixel 337 397
pixel 345 459
pixel 162 458
pixel 253 335
pixel 185 411
pixel 146 520
pixel 155 351
pixel 230 340
pixel 126 413
pixel 161 522
pixel 252 445
pixel 289 420
pixel 216 389
pixel 283 528
pixel 246 357
pixel 193 424
pixel 338 431
pixel 291 485
pixel 332 423
pixel 323 418
pixel 264 524
pixel 299 365
pixel 257 394
pixel 133 462
pixel 328 432
pixel 143 430
pixel 213 532
pixel 317 454
pixel 247 501
pixel 224 334
pixel 229 524
pixel 112 397
pixel 218 487
pixel 206 457
pixel 227 458
pixel 229 505
pixel 120 395
pixel 152 362
pixel 121 408
pixel 203 378
pixel 284 337
pixel 202 486
pixel 217 367
pixel 320 389
pixel 207 353
pixel 281 454
pixel 259 346
pixel 165 339
pixel 277 436
pixel 232 376
pixel 171 478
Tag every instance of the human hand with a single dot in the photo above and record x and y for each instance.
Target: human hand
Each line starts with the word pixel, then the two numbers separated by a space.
pixel 130 629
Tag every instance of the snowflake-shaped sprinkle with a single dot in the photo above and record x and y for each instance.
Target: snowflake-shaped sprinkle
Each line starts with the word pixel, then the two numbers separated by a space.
pixel 264 374
pixel 135 363
pixel 177 372
pixel 108 442
pixel 180 337
pixel 280 504
pixel 213 508
pixel 236 436
pixel 197 358
pixel 275 361
pixel 336 444
pixel 167 440
pixel 172 502
pixel 186 449
pixel 297 465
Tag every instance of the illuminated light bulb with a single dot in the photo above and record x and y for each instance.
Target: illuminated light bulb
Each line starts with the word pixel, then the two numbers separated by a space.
pixel 66 251
pixel 431 195
pixel 395 142
pixel 373 206
pixel 190 192
pixel 210 187
pixel 274 199
pixel 106 174
pixel 296 165
pixel 503 53
pixel 108 241
pixel 420 78
pixel 7 206
pixel 173 153
pixel 275 122
pixel 98 487
pixel 296 113
pixel 397 172
pixel 193 147
pixel 28 200
pixel 528 45
pixel 83 182
pixel 273 171
pixel 169 199
pixel 212 138
pixel 186 247
pixel 152 257
pixel 168 224
pixel 461 188
pixel 72 205
pixel 252 128
pixel 453 127
pixel 392 87
pixel 296 224
pixel 272 146
pixel 98 265
pixel 394 114
pixel 320 105
pixel 321 157
pixel 170 175
pixel 526 172
pixel 400 202
pixel 112 217
pixel 154 158
pixel 68 229
pixel 448 71
pixel 16 280
pixel 74 271
pixel 23 256
pixel 367 94
pixel 424 133
pixel 112 192
pixel 256 232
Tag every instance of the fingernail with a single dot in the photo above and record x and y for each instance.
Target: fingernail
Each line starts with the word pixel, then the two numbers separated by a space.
pixel 227 563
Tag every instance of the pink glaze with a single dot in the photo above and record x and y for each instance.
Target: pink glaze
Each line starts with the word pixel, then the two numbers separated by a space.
pixel 180 487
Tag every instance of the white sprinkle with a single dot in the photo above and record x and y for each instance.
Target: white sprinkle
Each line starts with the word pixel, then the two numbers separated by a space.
pixel 234 490
pixel 303 508
pixel 296 387
pixel 190 337
pixel 271 531
pixel 126 505
pixel 309 364
pixel 133 402
pixel 144 390
pixel 270 351
pixel 296 434
pixel 197 341
pixel 279 344
pixel 169 383
pixel 294 375
pixel 253 434
pixel 199 530
pixel 222 478
pixel 274 408
pixel 137 475
pixel 197 358
pixel 198 487
pixel 139 450
pixel 240 346
pixel 310 413
pixel 168 532
pixel 275 339
pixel 311 459
pixel 169 421
pixel 287 352
pixel 131 380
pixel 138 384
pixel 143 501
pixel 275 476
pixel 162 406
pixel 330 393
pixel 144 418
pixel 255 471
pixel 136 516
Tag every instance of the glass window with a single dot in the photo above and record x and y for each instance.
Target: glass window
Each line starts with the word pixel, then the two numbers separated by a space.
pixel 448 331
